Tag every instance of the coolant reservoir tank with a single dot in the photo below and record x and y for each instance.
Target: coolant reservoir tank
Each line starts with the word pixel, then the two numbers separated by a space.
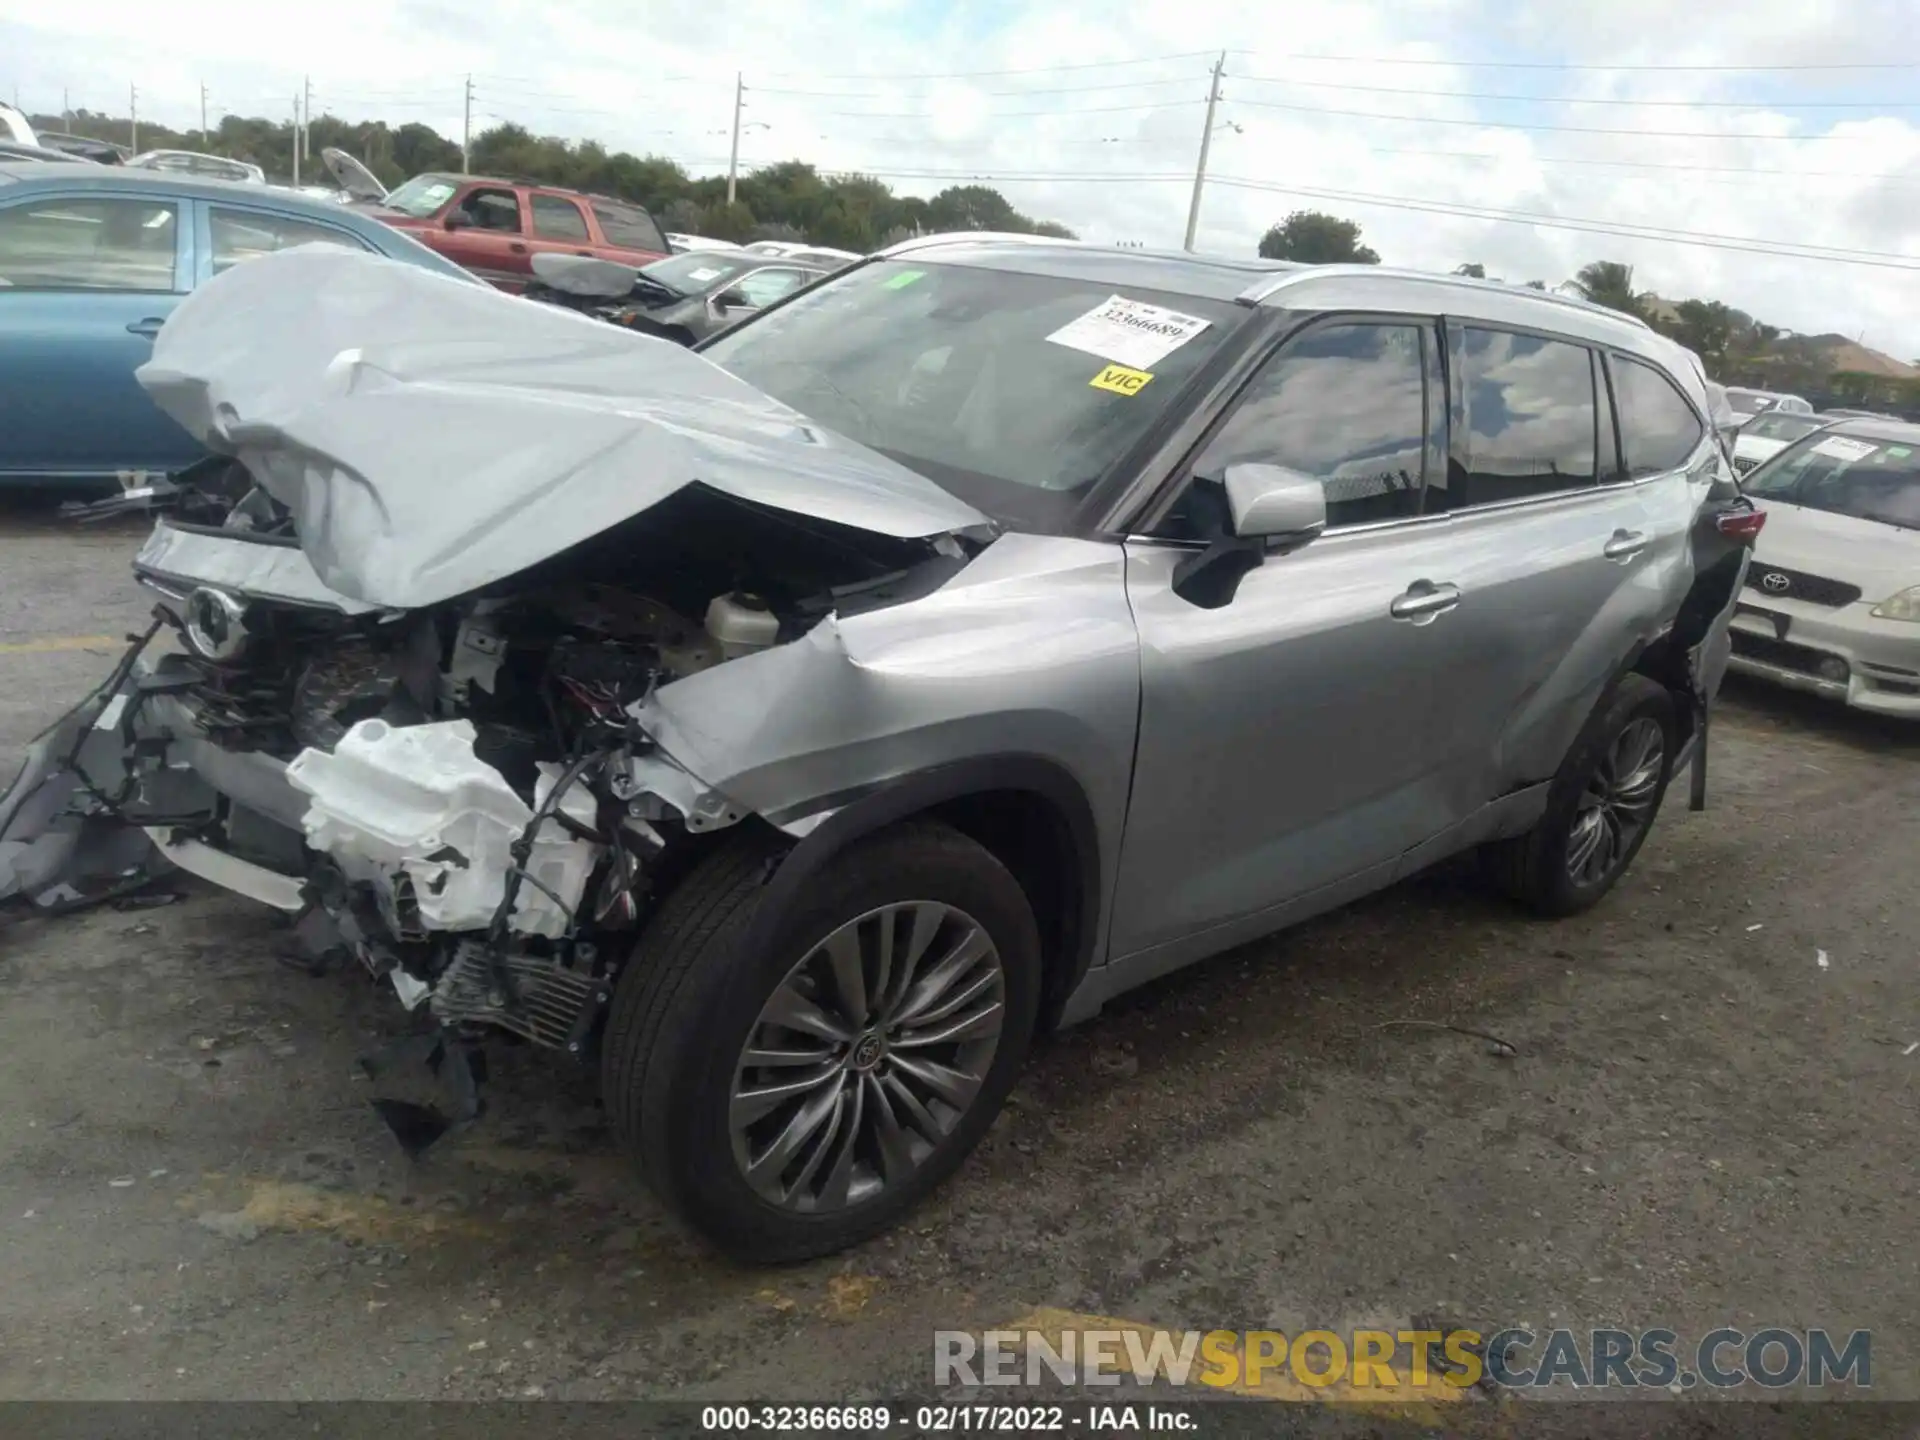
pixel 741 624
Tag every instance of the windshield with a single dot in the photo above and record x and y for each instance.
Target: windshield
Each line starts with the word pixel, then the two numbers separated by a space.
pixel 1783 427
pixel 698 271
pixel 1868 479
pixel 1014 392
pixel 420 196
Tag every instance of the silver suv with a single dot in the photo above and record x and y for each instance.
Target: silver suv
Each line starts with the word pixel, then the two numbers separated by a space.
pixel 800 724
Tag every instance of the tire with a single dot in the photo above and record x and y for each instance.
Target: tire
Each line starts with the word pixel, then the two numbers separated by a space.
pixel 692 998
pixel 1538 869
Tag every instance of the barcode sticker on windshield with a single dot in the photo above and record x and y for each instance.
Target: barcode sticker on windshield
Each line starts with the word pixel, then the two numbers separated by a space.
pixel 1841 448
pixel 699 275
pixel 1129 332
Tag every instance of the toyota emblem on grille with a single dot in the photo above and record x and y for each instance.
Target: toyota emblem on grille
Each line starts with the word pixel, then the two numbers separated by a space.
pixel 215 624
pixel 1776 582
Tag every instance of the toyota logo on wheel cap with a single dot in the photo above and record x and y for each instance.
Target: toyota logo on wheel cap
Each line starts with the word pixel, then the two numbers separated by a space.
pixel 1776 582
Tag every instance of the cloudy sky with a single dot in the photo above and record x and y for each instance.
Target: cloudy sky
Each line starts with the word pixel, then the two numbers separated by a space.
pixel 1768 122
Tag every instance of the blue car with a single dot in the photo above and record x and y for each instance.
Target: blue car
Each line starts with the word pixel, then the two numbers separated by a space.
pixel 92 261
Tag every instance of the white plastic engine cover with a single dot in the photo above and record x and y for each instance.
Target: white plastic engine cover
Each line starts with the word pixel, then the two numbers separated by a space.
pixel 416 800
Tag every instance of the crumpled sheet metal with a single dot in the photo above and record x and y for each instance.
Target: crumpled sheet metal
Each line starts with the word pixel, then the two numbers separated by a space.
pixel 977 669
pixel 431 437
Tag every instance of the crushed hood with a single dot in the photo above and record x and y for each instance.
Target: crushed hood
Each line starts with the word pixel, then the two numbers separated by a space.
pixel 431 437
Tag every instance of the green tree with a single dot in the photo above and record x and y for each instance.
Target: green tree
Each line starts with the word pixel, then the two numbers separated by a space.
pixel 1474 270
pixel 1315 238
pixel 1609 283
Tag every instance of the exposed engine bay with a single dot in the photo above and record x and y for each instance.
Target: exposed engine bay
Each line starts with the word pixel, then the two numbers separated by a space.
pixel 470 808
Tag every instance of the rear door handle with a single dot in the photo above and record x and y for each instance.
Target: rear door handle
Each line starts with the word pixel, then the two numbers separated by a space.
pixel 1424 601
pixel 149 327
pixel 516 247
pixel 1624 545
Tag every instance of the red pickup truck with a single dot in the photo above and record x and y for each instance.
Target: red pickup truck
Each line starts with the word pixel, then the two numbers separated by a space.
pixel 495 227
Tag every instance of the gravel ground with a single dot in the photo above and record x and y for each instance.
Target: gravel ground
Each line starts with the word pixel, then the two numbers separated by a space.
pixel 1702 1125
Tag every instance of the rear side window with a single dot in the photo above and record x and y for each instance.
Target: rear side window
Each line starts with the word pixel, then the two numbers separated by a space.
pixel 1531 418
pixel 628 227
pixel 245 234
pixel 1659 430
pixel 557 218
pixel 88 244
pixel 1346 404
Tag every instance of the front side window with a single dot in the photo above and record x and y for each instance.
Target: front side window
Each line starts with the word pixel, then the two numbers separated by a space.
pixel 1659 430
pixel 246 234
pixel 1014 391
pixel 88 244
pixel 496 210
pixel 557 218
pixel 1343 403
pixel 1531 417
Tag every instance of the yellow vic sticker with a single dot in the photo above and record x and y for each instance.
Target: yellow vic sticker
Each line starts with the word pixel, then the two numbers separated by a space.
pixel 1121 380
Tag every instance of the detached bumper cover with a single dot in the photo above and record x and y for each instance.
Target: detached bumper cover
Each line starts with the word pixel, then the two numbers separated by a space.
pixel 125 787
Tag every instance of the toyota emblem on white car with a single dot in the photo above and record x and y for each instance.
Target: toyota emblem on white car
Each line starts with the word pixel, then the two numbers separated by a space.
pixel 1776 582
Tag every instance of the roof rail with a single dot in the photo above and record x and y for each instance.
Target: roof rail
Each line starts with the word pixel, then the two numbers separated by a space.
pixel 1262 288
pixel 962 237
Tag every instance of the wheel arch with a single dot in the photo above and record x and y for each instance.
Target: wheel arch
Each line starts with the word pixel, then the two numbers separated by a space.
pixel 1028 811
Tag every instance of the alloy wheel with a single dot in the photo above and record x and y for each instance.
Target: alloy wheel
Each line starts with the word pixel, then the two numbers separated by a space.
pixel 1617 805
pixel 866 1056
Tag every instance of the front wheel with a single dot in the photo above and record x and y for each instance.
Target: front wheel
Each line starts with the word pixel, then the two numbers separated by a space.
pixel 792 1101
pixel 1600 807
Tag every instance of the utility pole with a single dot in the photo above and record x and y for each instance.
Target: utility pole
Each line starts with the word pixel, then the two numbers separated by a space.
pixel 733 159
pixel 466 131
pixel 306 109
pixel 1206 140
pixel 203 114
pixel 66 110
pixel 296 142
pixel 133 117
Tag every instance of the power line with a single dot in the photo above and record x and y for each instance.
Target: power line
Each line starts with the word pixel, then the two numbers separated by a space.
pixel 1016 114
pixel 1877 259
pixel 1791 250
pixel 1586 100
pixel 1060 90
pixel 1485 124
pixel 981 74
pixel 1567 65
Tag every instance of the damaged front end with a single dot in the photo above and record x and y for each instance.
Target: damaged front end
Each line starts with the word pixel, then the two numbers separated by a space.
pixel 412 721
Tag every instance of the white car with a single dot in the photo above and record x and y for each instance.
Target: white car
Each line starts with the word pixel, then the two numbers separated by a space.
pixel 15 127
pixel 683 243
pixel 800 250
pixel 1766 435
pixel 201 167
pixel 1832 603
pixel 1748 403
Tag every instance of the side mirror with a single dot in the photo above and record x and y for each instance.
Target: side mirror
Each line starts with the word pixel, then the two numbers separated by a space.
pixel 457 220
pixel 1271 502
pixel 733 299
pixel 1267 505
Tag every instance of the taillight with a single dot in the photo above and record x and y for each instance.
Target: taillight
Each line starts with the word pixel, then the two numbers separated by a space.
pixel 1741 524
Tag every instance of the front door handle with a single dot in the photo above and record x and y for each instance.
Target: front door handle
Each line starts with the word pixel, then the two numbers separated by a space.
pixel 1424 601
pixel 516 247
pixel 148 327
pixel 1624 545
